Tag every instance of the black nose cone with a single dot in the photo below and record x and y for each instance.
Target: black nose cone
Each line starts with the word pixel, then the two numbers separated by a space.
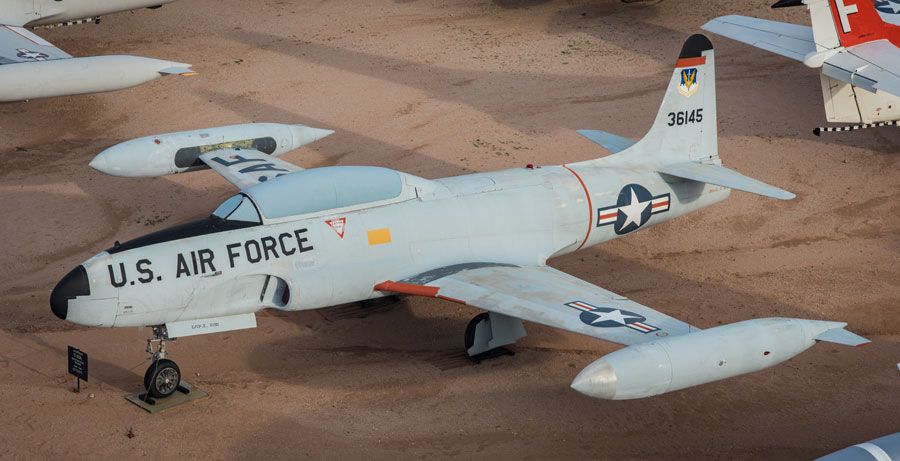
pixel 74 284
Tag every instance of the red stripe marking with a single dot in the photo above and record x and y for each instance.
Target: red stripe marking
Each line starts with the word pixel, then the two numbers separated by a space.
pixel 610 215
pixel 691 62
pixel 657 205
pixel 414 290
pixel 590 207
pixel 582 306
pixel 408 289
pixel 641 326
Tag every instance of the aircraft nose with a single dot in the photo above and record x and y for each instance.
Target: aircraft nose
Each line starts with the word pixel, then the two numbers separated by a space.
pixel 100 163
pixel 74 284
pixel 597 380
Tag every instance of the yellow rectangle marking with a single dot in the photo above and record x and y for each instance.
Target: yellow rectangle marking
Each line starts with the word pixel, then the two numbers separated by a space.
pixel 379 236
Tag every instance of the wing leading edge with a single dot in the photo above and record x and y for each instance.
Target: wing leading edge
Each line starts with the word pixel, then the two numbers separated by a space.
pixel 547 296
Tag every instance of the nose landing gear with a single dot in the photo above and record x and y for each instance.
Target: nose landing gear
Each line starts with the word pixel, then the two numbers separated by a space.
pixel 163 377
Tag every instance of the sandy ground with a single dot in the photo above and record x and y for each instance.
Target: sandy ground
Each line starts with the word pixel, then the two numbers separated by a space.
pixel 438 89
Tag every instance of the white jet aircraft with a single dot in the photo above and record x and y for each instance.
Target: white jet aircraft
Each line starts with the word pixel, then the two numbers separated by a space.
pixel 296 239
pixel 855 43
pixel 31 67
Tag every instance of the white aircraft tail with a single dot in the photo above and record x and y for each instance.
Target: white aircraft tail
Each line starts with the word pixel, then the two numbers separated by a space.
pixel 683 140
pixel 685 127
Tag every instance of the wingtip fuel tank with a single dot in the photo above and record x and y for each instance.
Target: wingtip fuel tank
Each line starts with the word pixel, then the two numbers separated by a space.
pixel 92 74
pixel 179 152
pixel 679 362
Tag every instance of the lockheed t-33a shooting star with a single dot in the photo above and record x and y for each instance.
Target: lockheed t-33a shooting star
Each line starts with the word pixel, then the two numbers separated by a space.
pixel 296 239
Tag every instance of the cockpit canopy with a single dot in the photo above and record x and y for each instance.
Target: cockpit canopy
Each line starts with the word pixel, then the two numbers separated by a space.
pixel 238 208
pixel 319 189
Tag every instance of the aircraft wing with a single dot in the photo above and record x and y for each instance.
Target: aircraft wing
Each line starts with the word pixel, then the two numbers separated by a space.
pixel 873 66
pixel 31 67
pixel 247 167
pixel 789 40
pixel 18 44
pixel 544 295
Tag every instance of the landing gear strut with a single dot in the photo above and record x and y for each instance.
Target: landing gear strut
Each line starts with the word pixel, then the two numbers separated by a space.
pixel 488 332
pixel 163 377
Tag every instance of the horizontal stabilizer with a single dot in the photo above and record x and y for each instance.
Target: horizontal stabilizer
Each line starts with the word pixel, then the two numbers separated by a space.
pixel 842 336
pixel 183 71
pixel 608 141
pixel 721 176
pixel 789 40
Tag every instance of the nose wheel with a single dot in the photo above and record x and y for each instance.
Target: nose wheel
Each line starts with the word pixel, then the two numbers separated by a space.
pixel 163 377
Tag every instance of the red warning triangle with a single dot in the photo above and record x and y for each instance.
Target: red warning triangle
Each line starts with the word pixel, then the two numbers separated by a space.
pixel 337 225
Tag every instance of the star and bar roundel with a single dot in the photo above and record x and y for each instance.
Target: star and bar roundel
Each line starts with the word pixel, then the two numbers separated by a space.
pixel 633 209
pixel 610 317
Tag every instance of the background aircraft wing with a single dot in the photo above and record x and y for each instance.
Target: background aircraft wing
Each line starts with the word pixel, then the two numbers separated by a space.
pixel 247 167
pixel 544 295
pixel 18 44
pixel 873 66
pixel 789 40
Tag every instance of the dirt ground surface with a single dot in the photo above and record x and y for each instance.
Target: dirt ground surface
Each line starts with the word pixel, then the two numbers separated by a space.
pixel 439 89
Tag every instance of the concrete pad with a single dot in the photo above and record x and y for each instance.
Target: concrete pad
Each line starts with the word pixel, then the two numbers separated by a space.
pixel 177 399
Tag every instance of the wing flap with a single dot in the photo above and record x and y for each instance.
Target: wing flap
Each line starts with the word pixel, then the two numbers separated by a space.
pixel 789 40
pixel 246 167
pixel 721 176
pixel 547 296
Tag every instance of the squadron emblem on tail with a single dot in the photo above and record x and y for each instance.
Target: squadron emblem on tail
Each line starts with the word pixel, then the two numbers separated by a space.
pixel 689 84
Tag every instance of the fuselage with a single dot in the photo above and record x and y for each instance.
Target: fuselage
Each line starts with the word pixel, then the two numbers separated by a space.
pixel 519 216
pixel 42 12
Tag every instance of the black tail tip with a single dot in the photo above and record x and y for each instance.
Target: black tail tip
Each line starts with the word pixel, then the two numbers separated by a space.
pixel 787 3
pixel 694 46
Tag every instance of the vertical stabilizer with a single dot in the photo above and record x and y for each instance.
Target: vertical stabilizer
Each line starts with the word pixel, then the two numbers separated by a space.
pixel 685 126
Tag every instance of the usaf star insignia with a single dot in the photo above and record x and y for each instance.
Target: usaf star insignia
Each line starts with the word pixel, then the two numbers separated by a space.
pixel 633 209
pixel 24 53
pixel 609 317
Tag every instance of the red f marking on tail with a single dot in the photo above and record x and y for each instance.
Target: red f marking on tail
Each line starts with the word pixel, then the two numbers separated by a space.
pixel 844 12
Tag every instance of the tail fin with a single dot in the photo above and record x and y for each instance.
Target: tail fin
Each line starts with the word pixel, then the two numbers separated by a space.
pixel 683 141
pixel 847 22
pixel 685 126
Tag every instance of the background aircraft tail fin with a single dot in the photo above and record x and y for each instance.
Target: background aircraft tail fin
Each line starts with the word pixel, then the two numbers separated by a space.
pixel 857 21
pixel 845 22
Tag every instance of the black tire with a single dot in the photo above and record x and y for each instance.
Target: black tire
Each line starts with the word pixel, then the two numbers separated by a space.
pixel 470 328
pixel 162 378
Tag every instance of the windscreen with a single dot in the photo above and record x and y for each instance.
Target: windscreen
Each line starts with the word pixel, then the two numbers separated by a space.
pixel 238 208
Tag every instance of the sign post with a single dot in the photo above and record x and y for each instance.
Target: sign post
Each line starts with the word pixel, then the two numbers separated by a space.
pixel 78 366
